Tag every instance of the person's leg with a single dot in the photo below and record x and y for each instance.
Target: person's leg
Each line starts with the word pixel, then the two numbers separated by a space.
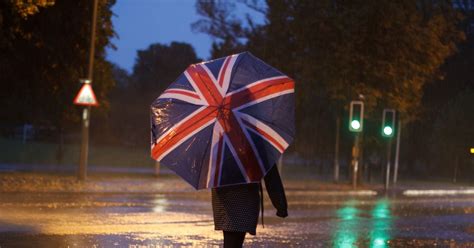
pixel 233 239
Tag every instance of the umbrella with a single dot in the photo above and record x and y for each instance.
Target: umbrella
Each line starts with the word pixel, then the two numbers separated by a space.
pixel 223 122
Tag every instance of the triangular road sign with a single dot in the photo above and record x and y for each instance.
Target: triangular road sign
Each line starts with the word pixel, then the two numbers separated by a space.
pixel 86 96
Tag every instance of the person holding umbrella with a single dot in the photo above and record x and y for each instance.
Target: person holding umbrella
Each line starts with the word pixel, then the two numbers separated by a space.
pixel 222 125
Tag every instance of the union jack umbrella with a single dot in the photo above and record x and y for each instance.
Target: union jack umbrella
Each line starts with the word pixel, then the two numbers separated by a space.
pixel 223 122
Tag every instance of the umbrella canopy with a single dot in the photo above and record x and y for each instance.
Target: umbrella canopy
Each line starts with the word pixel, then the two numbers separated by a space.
pixel 223 122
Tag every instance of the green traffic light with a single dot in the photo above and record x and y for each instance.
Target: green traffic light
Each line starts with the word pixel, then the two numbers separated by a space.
pixel 356 116
pixel 387 131
pixel 355 124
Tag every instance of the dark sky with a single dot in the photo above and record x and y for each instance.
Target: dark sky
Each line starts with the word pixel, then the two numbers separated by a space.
pixel 140 23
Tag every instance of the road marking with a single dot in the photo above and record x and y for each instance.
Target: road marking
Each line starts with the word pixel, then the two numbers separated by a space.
pixel 437 192
pixel 350 192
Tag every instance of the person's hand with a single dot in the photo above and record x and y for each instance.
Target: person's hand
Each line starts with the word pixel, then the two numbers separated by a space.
pixel 282 213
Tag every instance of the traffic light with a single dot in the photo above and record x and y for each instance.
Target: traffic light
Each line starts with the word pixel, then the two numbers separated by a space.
pixel 356 116
pixel 388 123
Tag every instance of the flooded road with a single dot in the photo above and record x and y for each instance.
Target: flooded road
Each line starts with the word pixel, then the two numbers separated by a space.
pixel 167 213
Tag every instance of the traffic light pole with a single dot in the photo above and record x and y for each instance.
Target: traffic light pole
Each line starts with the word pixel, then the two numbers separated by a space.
pixel 82 175
pixel 336 151
pixel 397 153
pixel 355 161
pixel 387 169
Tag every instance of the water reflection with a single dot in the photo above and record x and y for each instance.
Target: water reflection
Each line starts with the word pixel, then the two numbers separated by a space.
pixel 381 223
pixel 346 234
pixel 160 204
pixel 354 224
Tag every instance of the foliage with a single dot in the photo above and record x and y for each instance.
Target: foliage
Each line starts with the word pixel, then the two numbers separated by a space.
pixel 337 51
pixel 219 22
pixel 45 53
pixel 453 132
pixel 155 68
pixel 384 50
pixel 12 13
pixel 31 7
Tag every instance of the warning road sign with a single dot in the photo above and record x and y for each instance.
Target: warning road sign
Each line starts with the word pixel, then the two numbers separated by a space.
pixel 86 96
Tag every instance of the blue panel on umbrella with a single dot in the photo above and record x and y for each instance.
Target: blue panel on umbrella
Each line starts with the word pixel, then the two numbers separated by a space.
pixel 231 173
pixel 278 113
pixel 181 83
pixel 249 69
pixel 188 159
pixel 215 66
pixel 266 151
pixel 166 113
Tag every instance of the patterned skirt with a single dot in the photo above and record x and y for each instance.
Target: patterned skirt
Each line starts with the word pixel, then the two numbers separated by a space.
pixel 236 208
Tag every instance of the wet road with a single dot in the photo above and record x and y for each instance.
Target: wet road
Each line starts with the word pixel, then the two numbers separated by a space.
pixel 175 215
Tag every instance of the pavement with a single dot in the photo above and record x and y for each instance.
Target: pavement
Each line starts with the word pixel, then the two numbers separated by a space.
pixel 45 209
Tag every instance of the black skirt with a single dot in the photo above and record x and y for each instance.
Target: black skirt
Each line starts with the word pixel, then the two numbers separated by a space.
pixel 236 208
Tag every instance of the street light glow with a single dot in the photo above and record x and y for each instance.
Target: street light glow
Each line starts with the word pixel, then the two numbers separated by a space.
pixel 355 124
pixel 387 130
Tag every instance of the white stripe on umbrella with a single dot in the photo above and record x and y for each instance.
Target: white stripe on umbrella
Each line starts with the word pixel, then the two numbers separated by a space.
pixel 225 73
pixel 183 95
pixel 191 81
pixel 237 159
pixel 217 139
pixel 247 135
pixel 263 130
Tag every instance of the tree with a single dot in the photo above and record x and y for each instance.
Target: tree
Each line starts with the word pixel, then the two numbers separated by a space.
pixel 155 68
pixel 45 53
pixel 383 50
pixel 338 50
pixel 12 13
pixel 439 98
pixel 453 133
pixel 218 21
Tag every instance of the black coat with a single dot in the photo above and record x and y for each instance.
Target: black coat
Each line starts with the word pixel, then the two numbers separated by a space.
pixel 236 208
